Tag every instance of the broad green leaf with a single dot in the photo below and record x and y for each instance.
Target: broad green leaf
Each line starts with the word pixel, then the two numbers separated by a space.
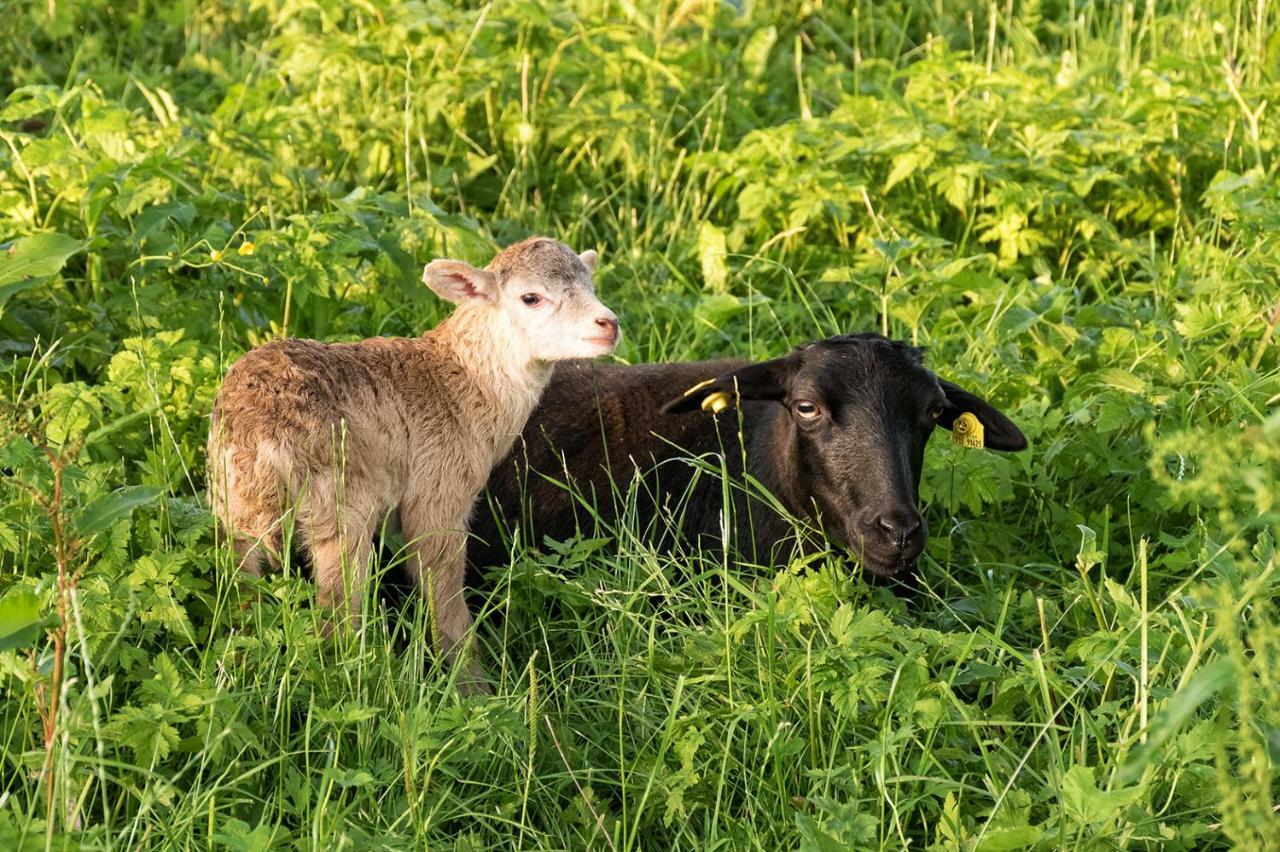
pixel 1122 380
pixel 1008 838
pixel 24 262
pixel 109 508
pixel 1085 804
pixel 8 539
pixel 69 409
pixel 20 621
pixel 234 834
pixel 711 252
pixel 28 101
pixel 349 777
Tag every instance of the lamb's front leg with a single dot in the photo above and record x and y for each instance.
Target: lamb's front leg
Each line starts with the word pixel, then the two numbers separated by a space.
pixel 439 565
pixel 454 633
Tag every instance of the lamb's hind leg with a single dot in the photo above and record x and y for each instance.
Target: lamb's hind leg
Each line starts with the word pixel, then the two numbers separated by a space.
pixel 342 572
pixel 439 566
pixel 257 539
pixel 341 544
pixel 249 513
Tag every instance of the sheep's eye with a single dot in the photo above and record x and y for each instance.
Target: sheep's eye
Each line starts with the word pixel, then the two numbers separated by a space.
pixel 531 299
pixel 806 409
pixel 935 411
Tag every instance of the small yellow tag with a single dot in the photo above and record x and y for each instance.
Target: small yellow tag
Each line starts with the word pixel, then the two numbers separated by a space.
pixel 967 431
pixel 716 402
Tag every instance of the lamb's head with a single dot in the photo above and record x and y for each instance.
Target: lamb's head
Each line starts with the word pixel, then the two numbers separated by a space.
pixel 853 414
pixel 541 295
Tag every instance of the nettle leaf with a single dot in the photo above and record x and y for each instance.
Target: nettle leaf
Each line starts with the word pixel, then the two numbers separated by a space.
pixel 20 620
pixel 109 508
pixel 19 454
pixel 8 539
pixel 26 261
pixel 70 409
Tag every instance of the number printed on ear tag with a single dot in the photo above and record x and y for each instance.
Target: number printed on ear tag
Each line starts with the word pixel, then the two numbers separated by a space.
pixel 967 431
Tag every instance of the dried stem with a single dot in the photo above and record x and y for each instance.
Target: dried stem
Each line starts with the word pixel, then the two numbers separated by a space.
pixel 63 548
pixel 65 545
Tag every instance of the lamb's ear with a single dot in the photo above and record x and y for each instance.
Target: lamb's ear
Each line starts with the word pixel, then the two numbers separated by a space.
pixel 460 282
pixel 998 431
pixel 766 380
pixel 589 258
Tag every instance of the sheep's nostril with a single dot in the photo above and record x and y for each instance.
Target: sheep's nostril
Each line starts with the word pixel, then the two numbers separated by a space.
pixel 899 527
pixel 609 324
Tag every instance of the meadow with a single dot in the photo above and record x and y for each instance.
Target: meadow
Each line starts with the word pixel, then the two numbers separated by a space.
pixel 1072 204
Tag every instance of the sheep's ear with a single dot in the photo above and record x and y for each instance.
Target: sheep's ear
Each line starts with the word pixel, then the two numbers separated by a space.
pixel 460 282
pixel 766 381
pixel 998 431
pixel 589 258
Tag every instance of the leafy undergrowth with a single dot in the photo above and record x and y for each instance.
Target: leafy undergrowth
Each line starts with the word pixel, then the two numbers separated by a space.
pixel 1073 206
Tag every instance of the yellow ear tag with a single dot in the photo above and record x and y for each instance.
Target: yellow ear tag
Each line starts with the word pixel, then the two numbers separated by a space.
pixel 967 431
pixel 716 402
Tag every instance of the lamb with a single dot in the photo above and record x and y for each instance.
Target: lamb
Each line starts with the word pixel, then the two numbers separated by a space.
pixel 835 431
pixel 345 434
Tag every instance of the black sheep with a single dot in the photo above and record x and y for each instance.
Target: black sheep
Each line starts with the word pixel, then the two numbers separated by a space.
pixel 835 431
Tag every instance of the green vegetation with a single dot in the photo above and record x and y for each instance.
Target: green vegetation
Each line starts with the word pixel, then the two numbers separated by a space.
pixel 1073 204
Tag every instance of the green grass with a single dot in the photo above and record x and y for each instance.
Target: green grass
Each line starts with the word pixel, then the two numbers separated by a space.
pixel 1073 205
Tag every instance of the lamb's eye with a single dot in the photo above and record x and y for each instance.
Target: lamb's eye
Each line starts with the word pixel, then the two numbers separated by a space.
pixel 935 411
pixel 806 409
pixel 531 299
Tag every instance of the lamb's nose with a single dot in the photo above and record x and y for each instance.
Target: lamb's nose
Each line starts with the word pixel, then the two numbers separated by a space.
pixel 609 324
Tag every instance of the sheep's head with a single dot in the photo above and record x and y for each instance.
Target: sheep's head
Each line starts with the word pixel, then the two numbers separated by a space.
pixel 541 292
pixel 853 416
